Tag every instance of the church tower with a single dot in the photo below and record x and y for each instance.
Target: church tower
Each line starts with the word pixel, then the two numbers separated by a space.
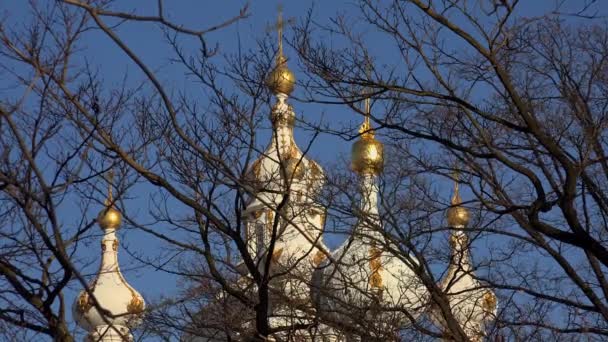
pixel 362 281
pixel 121 305
pixel 284 220
pixel 473 305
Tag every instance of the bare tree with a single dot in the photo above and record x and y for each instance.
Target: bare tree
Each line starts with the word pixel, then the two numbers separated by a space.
pixel 514 103
pixel 60 126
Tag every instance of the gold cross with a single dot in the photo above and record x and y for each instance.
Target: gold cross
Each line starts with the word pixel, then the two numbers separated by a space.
pixel 456 178
pixel 279 28
pixel 368 107
pixel 109 178
pixel 366 127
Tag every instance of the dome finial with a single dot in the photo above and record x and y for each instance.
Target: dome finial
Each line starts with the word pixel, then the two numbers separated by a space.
pixel 281 80
pixel 367 152
pixel 458 216
pixel 109 217
pixel 120 306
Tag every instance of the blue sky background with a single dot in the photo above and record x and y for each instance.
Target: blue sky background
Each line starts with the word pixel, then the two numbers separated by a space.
pixel 148 42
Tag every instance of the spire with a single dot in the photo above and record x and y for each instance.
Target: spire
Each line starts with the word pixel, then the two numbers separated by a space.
pixel 123 304
pixel 367 161
pixel 472 304
pixel 280 80
pixel 458 216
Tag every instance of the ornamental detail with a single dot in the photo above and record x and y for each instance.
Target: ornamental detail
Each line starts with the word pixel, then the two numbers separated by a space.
pixel 136 305
pixel 256 214
pixel 489 302
pixel 257 168
pixel 375 264
pixel 85 303
pixel 276 255
pixel 318 258
pixel 269 221
pixel 315 170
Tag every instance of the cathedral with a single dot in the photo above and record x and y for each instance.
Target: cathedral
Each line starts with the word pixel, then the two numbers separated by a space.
pixel 358 289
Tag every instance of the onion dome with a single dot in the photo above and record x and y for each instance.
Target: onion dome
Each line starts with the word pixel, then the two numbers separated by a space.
pixel 283 211
pixel 362 283
pixel 124 305
pixel 281 80
pixel 283 168
pixel 473 304
pixel 109 217
pixel 367 155
pixel 458 216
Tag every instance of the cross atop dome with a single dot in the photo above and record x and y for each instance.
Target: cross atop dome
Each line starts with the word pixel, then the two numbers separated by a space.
pixel 281 80
pixel 122 306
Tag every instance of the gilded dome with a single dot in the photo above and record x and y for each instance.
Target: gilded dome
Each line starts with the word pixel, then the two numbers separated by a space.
pixel 458 216
pixel 109 218
pixel 367 155
pixel 120 304
pixel 281 79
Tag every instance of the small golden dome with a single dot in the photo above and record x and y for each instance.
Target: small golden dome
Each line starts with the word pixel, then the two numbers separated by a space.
pixel 457 215
pixel 367 153
pixel 281 79
pixel 109 218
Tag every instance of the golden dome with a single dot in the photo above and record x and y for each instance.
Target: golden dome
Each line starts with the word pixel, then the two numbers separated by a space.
pixel 367 152
pixel 281 79
pixel 109 218
pixel 457 215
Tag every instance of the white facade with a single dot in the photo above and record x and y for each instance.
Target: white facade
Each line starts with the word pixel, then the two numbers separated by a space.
pixel 122 305
pixel 363 284
pixel 472 304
